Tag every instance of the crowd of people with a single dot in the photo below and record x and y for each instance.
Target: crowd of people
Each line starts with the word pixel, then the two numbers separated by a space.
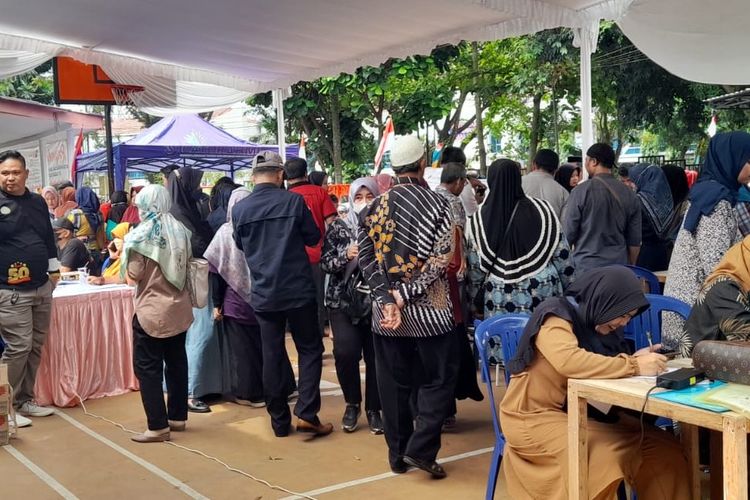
pixel 399 272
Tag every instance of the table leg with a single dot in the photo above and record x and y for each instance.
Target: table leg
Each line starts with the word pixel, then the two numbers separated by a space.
pixel 578 459
pixel 735 457
pixel 689 435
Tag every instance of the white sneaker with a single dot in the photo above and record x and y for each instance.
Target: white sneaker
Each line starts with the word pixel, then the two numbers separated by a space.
pixel 31 409
pixel 21 421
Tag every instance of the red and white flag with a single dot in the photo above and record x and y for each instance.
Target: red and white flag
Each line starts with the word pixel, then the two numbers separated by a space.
pixel 712 126
pixel 77 151
pixel 385 143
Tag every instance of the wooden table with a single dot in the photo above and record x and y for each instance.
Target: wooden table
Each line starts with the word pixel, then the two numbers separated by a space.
pixel 630 393
pixel 661 276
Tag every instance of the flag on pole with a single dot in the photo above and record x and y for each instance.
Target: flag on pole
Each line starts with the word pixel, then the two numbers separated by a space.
pixel 77 151
pixel 385 143
pixel 712 126
pixel 302 142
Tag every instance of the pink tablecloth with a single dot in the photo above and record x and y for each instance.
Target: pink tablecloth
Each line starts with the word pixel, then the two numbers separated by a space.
pixel 89 349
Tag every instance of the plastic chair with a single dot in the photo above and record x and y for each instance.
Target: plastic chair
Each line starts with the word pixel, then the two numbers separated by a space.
pixel 650 278
pixel 649 323
pixel 509 327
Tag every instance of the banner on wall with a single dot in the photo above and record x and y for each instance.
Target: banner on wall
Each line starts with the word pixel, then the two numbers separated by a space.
pixel 56 160
pixel 33 155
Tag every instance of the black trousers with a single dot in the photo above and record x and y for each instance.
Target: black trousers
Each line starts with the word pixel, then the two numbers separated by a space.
pixel 154 360
pixel 350 343
pixel 395 358
pixel 303 323
pixel 247 361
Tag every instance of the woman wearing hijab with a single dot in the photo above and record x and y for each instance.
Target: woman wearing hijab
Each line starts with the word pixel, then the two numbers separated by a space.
pixel 131 213
pixel 230 288
pixel 657 214
pixel 318 178
pixel 218 202
pixel 678 185
pixel 52 197
pixel 111 265
pixel 518 255
pixel 67 202
pixel 206 362
pixel 118 206
pixel 155 258
pixel 568 176
pixel 350 315
pixel 564 340
pixel 710 225
pixel 722 309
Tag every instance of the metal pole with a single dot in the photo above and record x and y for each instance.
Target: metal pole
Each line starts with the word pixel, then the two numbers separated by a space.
pixel 110 149
pixel 586 39
pixel 278 101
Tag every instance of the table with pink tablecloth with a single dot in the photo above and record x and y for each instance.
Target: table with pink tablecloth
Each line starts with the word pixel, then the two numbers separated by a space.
pixel 89 349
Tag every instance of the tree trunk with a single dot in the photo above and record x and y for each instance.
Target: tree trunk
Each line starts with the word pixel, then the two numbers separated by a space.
pixel 536 126
pixel 478 106
pixel 336 132
pixel 554 121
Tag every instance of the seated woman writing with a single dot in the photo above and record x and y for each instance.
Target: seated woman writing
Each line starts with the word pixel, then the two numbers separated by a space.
pixel 569 339
pixel 722 309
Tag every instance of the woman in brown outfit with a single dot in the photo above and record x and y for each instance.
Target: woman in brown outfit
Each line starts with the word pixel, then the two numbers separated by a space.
pixel 571 339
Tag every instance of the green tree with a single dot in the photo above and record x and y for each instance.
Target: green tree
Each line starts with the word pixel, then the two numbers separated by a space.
pixel 36 85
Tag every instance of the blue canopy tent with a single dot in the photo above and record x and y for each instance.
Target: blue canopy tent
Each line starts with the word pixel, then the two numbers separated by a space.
pixel 182 140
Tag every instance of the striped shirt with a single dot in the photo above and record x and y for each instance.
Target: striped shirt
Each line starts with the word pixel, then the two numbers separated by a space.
pixel 406 244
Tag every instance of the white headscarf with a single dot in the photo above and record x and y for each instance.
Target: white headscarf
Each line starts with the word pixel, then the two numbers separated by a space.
pixel 159 236
pixel 224 255
pixel 369 183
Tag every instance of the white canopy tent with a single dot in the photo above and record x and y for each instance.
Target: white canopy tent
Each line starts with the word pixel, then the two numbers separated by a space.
pixel 209 54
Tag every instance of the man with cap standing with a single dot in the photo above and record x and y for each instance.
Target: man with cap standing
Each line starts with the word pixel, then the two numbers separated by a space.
pixel 272 227
pixel 602 219
pixel 29 270
pixel 405 246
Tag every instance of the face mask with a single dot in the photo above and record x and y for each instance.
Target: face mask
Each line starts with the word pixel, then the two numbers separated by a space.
pixel 359 206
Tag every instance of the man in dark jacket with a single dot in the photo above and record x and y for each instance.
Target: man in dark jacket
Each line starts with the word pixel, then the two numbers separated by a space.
pixel 272 227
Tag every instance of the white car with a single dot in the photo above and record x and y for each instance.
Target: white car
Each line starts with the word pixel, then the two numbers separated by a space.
pixel 629 154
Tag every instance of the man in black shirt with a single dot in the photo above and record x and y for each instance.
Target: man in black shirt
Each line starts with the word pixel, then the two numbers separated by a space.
pixel 272 227
pixel 73 253
pixel 29 270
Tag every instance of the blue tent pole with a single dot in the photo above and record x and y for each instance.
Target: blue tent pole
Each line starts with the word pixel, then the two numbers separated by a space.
pixel 110 155
pixel 231 169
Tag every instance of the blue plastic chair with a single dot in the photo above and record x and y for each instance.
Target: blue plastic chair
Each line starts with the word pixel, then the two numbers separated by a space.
pixel 649 323
pixel 509 328
pixel 654 287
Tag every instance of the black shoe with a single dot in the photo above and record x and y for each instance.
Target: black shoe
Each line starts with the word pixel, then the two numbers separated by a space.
pixel 431 467
pixel 375 422
pixel 399 467
pixel 198 406
pixel 351 416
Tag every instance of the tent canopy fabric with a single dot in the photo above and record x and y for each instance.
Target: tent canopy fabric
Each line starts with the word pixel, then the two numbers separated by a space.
pixel 182 140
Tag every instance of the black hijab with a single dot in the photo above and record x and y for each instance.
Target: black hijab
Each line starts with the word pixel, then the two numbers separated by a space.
pixel 678 182
pixel 119 202
pixel 184 189
pixel 219 201
pixel 599 296
pixel 564 173
pixel 506 195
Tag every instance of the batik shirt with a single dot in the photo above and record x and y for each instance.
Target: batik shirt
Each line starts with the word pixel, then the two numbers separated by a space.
pixel 406 244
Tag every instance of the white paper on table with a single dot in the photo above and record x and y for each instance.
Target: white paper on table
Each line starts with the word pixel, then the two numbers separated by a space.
pixel 652 378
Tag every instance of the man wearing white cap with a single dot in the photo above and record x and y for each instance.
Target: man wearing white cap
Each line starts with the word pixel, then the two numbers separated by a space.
pixel 405 246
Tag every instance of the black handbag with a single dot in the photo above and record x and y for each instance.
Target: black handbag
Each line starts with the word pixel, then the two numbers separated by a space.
pixel 356 299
